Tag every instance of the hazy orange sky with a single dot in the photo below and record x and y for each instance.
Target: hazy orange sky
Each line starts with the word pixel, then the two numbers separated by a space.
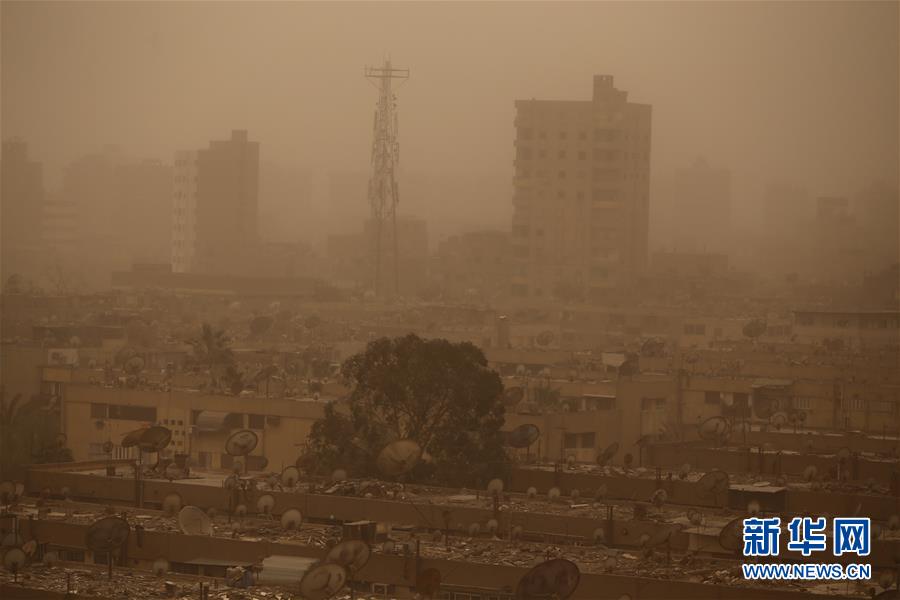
pixel 803 90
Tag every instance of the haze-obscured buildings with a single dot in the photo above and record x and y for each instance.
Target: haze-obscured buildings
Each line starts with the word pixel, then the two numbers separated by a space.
pixel 581 193
pixel 216 208
pixel 22 196
pixel 351 256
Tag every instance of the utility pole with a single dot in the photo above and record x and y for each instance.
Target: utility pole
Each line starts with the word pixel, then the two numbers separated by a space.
pixel 383 189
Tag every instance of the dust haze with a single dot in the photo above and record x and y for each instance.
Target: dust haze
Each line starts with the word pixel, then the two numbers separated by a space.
pixel 798 92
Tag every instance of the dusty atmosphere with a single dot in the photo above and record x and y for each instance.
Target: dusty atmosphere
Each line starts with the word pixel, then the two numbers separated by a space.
pixel 457 300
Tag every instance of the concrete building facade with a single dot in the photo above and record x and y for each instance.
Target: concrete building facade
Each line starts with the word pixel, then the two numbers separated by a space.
pixel 581 193
pixel 215 206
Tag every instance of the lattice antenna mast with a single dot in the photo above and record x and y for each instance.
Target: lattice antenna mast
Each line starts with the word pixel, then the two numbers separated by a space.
pixel 383 190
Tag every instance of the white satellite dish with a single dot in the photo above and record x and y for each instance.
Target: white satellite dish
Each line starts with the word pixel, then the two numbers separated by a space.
pixel 193 521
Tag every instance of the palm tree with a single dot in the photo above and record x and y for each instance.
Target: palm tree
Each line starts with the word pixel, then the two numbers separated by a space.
pixel 211 351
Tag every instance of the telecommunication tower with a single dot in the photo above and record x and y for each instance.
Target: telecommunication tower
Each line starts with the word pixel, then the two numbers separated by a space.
pixel 383 189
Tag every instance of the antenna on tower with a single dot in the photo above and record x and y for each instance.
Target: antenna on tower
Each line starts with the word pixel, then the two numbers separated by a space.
pixel 383 190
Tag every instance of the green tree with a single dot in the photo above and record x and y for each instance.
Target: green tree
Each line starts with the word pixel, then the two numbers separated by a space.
pixel 29 433
pixel 546 397
pixel 440 394
pixel 211 351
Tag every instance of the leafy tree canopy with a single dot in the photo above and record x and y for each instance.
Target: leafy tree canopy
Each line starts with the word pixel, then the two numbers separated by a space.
pixel 438 393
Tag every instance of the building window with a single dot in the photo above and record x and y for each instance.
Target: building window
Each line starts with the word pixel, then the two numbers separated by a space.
pixel 99 411
pixel 694 329
pixel 588 440
pixel 571 440
pixel 127 412
pixel 256 421
pixel 712 398
pixel 802 403
pixel 653 403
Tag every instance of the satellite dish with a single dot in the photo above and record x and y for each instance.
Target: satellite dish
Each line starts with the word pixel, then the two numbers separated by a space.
pixel 173 471
pixel 338 475
pixel 398 457
pixel 695 517
pixel 14 560
pixel 51 558
pixel 8 493
pixel 574 495
pixel 351 554
pixel 531 492
pixel 241 443
pixel 231 482
pixel 753 508
pixel 265 504
pixel 779 420
pixel 601 492
pixel 474 529
pixel 659 498
pixel 731 537
pixel 608 453
pixel 193 521
pixel 108 447
pixel 662 535
pixel 714 429
pixel 844 452
pixel 715 482
pixel 893 523
pixel 155 439
pixel 171 504
pixel 492 526
pixel 132 438
pixel 516 532
pixel 554 493
pixel 523 436
pixel 428 583
pixel 599 535
pixel 107 534
pixel 684 471
pixel 495 486
pixel 513 395
pixel 291 519
pixel 160 567
pixel 810 472
pixel 290 476
pixel 240 510
pixel 323 581
pixel 557 578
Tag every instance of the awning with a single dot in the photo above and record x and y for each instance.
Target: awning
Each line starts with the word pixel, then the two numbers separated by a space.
pixel 211 420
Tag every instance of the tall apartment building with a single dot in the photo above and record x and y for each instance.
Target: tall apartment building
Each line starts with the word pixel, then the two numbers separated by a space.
pixel 215 206
pixel 581 194
pixel 21 197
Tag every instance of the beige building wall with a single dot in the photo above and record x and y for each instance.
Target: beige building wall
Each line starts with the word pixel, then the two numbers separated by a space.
pixel 89 420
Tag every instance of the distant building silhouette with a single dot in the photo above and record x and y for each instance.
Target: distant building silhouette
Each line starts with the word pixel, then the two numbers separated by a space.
pixel 22 196
pixel 581 198
pixel 216 192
